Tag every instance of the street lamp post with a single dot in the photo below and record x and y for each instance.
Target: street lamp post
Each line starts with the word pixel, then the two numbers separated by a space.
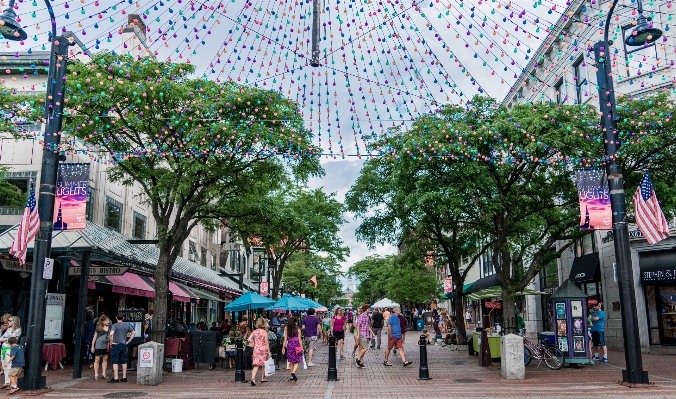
pixel 56 79
pixel 643 33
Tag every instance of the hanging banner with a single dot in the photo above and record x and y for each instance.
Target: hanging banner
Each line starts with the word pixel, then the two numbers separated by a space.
pixel 448 285
pixel 263 288
pixel 594 195
pixel 70 208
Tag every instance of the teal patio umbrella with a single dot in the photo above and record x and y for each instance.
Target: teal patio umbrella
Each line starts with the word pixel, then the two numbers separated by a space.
pixel 290 302
pixel 249 301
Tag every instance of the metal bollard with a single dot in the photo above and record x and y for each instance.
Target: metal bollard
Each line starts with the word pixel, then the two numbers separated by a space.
pixel 239 361
pixel 333 369
pixel 423 371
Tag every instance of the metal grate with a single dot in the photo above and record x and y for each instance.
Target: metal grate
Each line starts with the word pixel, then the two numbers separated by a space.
pixel 467 381
pixel 128 394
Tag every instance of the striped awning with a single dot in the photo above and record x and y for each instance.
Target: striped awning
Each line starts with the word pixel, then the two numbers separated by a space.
pixel 496 292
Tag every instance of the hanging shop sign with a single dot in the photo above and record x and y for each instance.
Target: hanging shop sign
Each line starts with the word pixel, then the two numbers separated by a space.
pixel 70 206
pixel 594 195
pixel 16 266
pixel 95 270
pixel 231 246
pixel 493 305
pixel 264 288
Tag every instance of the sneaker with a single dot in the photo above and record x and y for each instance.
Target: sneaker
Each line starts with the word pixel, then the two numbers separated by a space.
pixel 361 365
pixel 604 360
pixel 591 362
pixel 387 364
pixel 595 357
pixel 113 381
pixel 123 380
pixel 356 361
pixel 408 363
pixel 311 364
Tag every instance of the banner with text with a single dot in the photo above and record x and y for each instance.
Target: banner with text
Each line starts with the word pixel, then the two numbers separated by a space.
pixel 594 195
pixel 70 208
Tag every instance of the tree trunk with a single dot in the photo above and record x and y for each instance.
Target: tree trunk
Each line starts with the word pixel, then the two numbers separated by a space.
pixel 508 313
pixel 161 276
pixel 277 278
pixel 459 313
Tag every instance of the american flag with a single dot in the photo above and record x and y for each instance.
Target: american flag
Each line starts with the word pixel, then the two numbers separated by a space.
pixel 649 216
pixel 28 228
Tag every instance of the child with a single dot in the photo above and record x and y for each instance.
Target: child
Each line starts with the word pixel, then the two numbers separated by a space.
pixel 427 337
pixel 17 360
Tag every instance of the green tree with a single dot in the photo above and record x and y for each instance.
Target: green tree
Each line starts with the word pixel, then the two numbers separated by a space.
pixel 10 195
pixel 411 281
pixel 200 151
pixel 371 272
pixel 295 221
pixel 301 267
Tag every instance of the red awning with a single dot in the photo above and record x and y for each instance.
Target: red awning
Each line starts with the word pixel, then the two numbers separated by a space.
pixel 180 292
pixel 128 283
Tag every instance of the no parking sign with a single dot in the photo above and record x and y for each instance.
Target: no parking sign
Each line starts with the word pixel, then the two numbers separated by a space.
pixel 145 357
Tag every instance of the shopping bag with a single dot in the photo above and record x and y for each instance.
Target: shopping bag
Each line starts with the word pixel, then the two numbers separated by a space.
pixel 304 364
pixel 269 367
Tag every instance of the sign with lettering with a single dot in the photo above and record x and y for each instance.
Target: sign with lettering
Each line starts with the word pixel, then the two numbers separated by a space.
pixel 70 205
pixel 448 285
pixel 659 275
pixel 145 357
pixel 493 305
pixel 263 288
pixel 56 304
pixel 48 270
pixel 95 270
pixel 13 265
pixel 231 246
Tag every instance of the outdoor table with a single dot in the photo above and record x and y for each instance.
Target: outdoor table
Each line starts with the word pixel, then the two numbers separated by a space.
pixel 53 354
pixel 493 344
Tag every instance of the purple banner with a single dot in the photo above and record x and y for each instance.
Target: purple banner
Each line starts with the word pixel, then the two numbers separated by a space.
pixel 592 189
pixel 70 207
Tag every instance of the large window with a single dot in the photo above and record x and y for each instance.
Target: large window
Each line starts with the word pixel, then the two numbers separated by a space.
pixel 193 256
pixel 139 231
pixel 558 91
pixel 203 258
pixel 585 245
pixel 487 266
pixel 213 261
pixel 90 203
pixel 113 217
pixel 549 281
pixel 580 70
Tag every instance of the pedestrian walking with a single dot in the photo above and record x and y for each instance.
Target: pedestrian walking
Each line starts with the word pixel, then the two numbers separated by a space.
pixel 386 316
pixel 598 319
pixel 364 333
pixel 293 346
pixel 468 318
pixel 14 364
pixel 121 334
pixel 14 330
pixel 376 328
pixel 338 322
pixel 403 326
pixel 354 330
pixel 394 339
pixel 326 324
pixel 99 346
pixel 261 350
pixel 311 328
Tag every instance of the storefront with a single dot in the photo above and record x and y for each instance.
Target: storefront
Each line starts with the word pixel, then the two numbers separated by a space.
pixel 586 274
pixel 658 276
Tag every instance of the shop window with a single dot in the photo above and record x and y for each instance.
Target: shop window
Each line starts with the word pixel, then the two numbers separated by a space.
pixel 213 261
pixel 113 216
pixel 193 256
pixel 487 266
pixel 653 319
pixel 90 203
pixel 638 58
pixel 585 245
pixel 558 91
pixel 139 230
pixel 580 71
pixel 203 258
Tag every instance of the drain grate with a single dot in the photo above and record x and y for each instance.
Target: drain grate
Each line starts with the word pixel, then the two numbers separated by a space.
pixel 467 381
pixel 127 394
pixel 459 362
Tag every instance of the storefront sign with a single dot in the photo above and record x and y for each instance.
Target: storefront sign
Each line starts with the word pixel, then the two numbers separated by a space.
pixel 263 288
pixel 15 266
pixel 448 285
pixel 592 189
pixel 231 246
pixel 56 304
pixel 70 207
pixel 98 270
pixel 493 305
pixel 659 275
pixel 145 357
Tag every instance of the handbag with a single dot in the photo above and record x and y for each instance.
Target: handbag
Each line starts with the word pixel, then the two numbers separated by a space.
pixel 299 350
pixel 269 367
pixel 108 347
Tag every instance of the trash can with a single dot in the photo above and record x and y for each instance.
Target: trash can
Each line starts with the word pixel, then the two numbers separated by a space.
pixel 470 346
pixel 419 324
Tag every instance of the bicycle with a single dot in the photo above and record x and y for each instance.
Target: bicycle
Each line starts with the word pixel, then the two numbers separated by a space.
pixel 551 355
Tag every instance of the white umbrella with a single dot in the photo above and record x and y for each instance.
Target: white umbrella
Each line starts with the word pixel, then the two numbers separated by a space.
pixel 385 303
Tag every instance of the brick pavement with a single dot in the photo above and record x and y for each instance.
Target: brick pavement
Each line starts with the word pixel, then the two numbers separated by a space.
pixel 448 370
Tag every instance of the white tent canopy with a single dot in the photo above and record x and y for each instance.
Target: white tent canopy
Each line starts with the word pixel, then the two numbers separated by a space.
pixel 385 303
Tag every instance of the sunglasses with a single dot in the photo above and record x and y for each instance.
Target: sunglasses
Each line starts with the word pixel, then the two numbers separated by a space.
pixel 11 320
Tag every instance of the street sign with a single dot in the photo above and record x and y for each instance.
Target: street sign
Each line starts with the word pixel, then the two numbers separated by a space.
pixel 231 246
pixel 15 266
pixel 48 269
pixel 95 270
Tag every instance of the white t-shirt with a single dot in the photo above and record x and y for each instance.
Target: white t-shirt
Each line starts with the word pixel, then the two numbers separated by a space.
pixel 468 315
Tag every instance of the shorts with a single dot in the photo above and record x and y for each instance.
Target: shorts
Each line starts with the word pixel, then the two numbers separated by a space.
pixel 100 352
pixel 598 338
pixel 364 342
pixel 118 354
pixel 326 327
pixel 339 335
pixel 311 342
pixel 394 343
pixel 15 372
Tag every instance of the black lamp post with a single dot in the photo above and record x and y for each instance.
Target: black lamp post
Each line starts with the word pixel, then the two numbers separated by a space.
pixel 642 34
pixel 56 79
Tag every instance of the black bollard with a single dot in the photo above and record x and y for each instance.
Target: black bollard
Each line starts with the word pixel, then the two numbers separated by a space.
pixel 333 370
pixel 423 371
pixel 239 361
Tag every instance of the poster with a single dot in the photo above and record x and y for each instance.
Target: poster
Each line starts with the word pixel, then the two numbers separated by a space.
pixel 561 328
pixel 578 344
pixel 56 304
pixel 145 357
pixel 448 285
pixel 70 206
pixel 560 310
pixel 563 344
pixel 594 196
pixel 578 326
pixel 575 308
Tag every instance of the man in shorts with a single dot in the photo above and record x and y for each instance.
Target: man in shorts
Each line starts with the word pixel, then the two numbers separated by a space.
pixel 121 334
pixel 310 326
pixel 394 338
pixel 364 333
pixel 598 319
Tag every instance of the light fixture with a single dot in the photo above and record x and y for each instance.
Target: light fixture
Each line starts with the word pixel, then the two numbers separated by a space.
pixel 643 32
pixel 9 27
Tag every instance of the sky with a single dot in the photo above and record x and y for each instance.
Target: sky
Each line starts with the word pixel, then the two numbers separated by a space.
pixel 383 63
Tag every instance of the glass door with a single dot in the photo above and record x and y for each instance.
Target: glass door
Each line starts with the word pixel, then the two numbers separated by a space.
pixel 653 319
pixel 667 304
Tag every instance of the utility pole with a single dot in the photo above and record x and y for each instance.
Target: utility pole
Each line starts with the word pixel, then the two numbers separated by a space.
pixel 316 12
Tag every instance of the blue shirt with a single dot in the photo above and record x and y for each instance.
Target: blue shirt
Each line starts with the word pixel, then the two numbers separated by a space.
pixel 396 327
pixel 600 324
pixel 19 359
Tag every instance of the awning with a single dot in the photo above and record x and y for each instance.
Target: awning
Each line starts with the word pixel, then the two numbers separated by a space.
pixel 483 283
pixel 467 288
pixel 179 292
pixel 496 292
pixel 128 283
pixel 207 295
pixel 585 269
pixel 658 266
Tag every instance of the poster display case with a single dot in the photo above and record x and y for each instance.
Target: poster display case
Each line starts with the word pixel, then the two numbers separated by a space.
pixel 570 305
